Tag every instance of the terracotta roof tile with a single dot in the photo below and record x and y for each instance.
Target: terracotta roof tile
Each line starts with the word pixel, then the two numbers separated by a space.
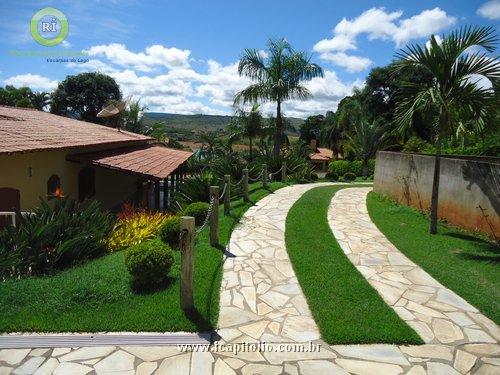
pixel 321 154
pixel 24 130
pixel 156 162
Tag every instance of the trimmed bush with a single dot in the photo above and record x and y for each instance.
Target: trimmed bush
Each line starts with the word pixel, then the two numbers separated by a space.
pixel 349 176
pixel 332 176
pixel 371 167
pixel 339 167
pixel 198 210
pixel 356 167
pixel 171 230
pixel 149 263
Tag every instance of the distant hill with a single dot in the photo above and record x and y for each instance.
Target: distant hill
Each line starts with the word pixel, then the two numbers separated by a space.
pixel 197 122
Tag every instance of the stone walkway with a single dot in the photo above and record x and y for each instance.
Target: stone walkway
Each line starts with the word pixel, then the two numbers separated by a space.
pixel 261 301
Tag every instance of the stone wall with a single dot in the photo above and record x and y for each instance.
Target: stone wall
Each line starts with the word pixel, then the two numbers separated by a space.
pixel 469 192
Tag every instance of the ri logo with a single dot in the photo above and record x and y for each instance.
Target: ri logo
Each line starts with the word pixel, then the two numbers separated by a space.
pixel 49 27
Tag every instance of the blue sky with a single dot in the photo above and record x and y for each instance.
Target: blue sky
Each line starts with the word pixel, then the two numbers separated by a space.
pixel 181 56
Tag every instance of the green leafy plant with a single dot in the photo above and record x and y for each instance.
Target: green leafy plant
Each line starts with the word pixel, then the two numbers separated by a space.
pixel 198 210
pixel 332 176
pixel 196 188
pixel 53 236
pixel 133 227
pixel 339 167
pixel 149 263
pixel 171 230
pixel 349 176
pixel 356 167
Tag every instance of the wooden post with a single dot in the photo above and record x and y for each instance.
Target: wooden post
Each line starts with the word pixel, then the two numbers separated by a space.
pixel 244 186
pixel 227 194
pixel 187 262
pixel 214 216
pixel 264 175
pixel 283 172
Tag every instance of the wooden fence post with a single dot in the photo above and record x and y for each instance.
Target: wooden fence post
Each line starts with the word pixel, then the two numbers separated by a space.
pixel 214 216
pixel 244 186
pixel 227 194
pixel 187 262
pixel 283 172
pixel 264 175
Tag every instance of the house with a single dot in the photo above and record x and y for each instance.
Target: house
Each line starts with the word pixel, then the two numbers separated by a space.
pixel 49 156
pixel 320 157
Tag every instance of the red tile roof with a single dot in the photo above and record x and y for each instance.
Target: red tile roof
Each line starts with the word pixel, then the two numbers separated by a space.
pixel 322 154
pixel 24 130
pixel 153 161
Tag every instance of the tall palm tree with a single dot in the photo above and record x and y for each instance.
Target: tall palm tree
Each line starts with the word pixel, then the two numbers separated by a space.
pixel 366 139
pixel 277 78
pixel 332 136
pixel 454 96
pixel 40 99
pixel 250 125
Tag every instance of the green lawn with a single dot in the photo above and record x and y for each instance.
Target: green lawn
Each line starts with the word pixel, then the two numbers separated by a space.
pixel 467 264
pixel 345 307
pixel 97 295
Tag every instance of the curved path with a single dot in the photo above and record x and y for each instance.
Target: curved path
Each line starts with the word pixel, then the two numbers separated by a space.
pixel 261 301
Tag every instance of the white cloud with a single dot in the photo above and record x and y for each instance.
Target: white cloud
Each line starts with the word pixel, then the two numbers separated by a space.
pixel 221 83
pixel 351 63
pixel 422 25
pixel 92 65
pixel 153 56
pixel 33 81
pixel 377 23
pixel 490 10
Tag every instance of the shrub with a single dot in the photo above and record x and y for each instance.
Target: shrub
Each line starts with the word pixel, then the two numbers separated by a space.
pixel 134 228
pixel 53 236
pixel 416 144
pixel 349 176
pixel 171 230
pixel 314 176
pixel 332 176
pixel 356 167
pixel 149 263
pixel 371 167
pixel 198 210
pixel 196 188
pixel 339 167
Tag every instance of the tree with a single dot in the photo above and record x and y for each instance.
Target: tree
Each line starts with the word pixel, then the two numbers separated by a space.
pixel 311 128
pixel 367 139
pixel 40 99
pixel 454 96
pixel 84 95
pixel 332 135
pixel 132 117
pixel 249 124
pixel 16 97
pixel 277 78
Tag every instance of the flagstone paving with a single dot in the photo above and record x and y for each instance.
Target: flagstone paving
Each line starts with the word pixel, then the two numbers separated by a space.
pixel 261 301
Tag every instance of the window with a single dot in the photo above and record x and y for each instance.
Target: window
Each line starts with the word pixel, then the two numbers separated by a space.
pixel 54 187
pixel 86 183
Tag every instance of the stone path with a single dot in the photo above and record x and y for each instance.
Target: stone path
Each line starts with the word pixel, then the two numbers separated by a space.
pixel 261 301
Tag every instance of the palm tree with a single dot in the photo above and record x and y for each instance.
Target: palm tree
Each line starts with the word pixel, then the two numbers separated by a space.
pixel 366 139
pixel 277 78
pixel 133 117
pixel 332 136
pixel 454 96
pixel 250 125
pixel 40 99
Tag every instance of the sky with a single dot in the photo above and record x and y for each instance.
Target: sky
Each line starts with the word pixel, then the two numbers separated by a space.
pixel 182 56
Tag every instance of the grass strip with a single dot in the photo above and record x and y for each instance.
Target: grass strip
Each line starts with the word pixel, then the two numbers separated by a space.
pixel 463 262
pixel 344 305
